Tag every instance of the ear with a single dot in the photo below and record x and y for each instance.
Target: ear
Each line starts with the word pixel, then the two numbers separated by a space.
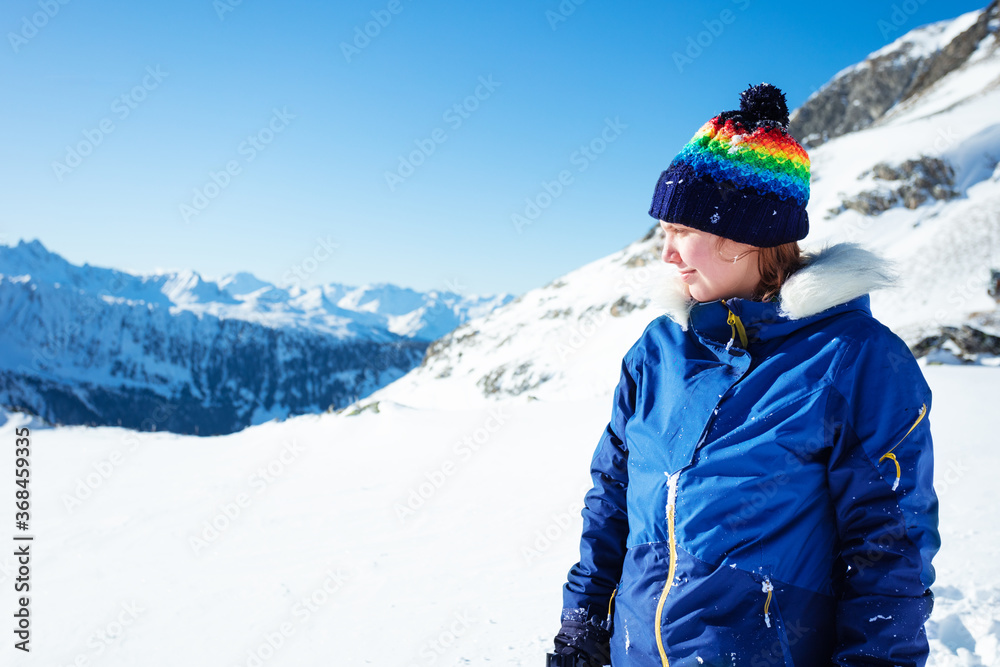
pixel 730 249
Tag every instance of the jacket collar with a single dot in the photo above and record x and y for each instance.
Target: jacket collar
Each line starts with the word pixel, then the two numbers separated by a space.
pixel 835 279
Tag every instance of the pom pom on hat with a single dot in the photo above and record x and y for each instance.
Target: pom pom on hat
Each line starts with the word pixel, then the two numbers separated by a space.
pixel 741 176
pixel 764 102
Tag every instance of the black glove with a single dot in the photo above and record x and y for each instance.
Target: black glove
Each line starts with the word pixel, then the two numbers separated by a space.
pixel 587 642
pixel 554 660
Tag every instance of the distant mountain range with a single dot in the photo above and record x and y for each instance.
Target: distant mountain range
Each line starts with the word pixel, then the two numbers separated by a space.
pixel 173 351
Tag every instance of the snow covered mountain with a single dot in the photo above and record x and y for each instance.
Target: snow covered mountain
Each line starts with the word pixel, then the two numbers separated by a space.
pixel 864 93
pixel 174 351
pixel 433 523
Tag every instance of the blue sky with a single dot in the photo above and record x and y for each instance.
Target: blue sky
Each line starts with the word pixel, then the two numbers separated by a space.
pixel 385 140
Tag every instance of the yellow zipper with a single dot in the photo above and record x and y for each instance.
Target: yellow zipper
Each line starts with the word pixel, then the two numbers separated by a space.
pixel 767 587
pixel 736 323
pixel 892 457
pixel 671 502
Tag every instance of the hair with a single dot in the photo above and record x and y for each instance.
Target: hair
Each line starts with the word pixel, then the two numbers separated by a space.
pixel 775 265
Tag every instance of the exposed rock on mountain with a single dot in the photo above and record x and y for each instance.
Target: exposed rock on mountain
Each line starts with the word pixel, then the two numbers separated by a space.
pixel 910 184
pixel 864 94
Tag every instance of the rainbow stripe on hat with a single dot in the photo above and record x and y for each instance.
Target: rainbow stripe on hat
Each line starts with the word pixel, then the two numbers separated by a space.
pixel 741 176
pixel 766 159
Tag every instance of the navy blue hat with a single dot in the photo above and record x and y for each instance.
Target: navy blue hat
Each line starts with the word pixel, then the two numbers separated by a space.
pixel 741 176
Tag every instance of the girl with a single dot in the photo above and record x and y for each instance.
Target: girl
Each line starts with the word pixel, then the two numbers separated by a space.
pixel 763 491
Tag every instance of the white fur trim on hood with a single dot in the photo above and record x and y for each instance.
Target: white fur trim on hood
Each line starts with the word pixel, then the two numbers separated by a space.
pixel 834 275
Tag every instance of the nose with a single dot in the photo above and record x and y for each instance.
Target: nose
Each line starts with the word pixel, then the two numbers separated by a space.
pixel 669 254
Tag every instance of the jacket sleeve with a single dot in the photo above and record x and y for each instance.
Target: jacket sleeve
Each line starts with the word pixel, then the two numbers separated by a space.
pixel 880 476
pixel 592 581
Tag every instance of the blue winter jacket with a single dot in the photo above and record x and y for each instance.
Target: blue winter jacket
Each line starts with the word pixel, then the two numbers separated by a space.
pixel 763 491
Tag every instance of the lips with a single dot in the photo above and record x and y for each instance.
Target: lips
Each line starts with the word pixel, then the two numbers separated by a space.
pixel 686 274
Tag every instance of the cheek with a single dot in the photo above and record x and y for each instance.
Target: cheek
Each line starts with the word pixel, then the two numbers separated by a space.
pixel 715 267
pixel 698 254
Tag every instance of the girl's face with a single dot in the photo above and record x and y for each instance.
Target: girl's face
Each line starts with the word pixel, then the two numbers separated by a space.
pixel 710 273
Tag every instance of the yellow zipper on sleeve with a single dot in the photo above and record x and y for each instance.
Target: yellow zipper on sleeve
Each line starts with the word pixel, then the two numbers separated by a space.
pixel 892 457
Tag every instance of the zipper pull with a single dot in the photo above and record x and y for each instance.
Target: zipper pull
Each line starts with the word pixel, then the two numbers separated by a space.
pixel 890 455
pixel 672 490
pixel 737 325
pixel 767 588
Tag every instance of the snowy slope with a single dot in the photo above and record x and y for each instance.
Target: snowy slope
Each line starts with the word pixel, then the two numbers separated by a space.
pixel 321 561
pixel 927 40
pixel 553 343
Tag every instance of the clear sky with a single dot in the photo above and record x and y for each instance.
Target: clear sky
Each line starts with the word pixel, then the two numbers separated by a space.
pixel 279 138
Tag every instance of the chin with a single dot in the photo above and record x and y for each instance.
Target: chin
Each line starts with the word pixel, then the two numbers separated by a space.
pixel 700 294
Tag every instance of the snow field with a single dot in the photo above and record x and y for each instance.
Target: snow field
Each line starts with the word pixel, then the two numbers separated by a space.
pixel 306 557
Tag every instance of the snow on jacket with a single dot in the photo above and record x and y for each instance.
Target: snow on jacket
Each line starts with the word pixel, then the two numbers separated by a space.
pixel 763 491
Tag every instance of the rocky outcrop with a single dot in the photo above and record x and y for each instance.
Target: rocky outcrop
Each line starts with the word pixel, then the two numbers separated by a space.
pixel 965 344
pixel 909 184
pixel 861 95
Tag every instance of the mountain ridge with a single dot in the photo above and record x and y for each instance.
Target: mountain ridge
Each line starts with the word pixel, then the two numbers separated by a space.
pixel 861 94
pixel 90 345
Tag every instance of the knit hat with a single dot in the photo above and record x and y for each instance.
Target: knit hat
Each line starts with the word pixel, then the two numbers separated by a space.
pixel 741 176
